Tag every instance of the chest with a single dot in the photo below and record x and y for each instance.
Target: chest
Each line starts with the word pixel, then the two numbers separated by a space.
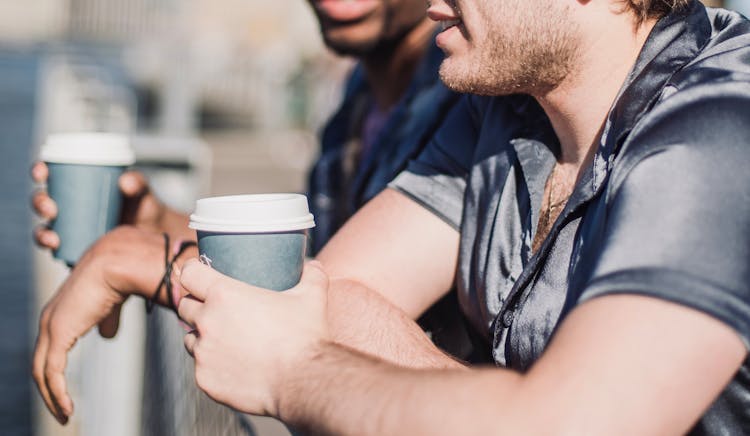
pixel 514 294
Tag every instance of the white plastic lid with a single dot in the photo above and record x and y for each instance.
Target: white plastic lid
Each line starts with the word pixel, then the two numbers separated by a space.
pixel 261 213
pixel 88 149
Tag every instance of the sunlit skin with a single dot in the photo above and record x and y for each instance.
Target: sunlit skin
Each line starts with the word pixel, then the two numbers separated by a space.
pixel 488 54
pixel 632 364
pixel 573 60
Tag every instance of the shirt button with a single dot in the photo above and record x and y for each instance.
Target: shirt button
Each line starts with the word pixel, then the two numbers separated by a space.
pixel 508 318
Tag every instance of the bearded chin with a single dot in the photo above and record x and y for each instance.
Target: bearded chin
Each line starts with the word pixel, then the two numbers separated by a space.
pixel 473 78
pixel 511 74
pixel 534 58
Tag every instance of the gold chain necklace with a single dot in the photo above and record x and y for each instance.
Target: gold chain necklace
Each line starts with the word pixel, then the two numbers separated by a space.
pixel 555 201
pixel 561 199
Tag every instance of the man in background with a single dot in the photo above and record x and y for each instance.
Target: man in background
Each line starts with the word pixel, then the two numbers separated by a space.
pixel 393 102
pixel 600 227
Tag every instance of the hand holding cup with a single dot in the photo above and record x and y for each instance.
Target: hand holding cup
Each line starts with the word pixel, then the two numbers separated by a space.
pixel 139 206
pixel 258 239
pixel 248 343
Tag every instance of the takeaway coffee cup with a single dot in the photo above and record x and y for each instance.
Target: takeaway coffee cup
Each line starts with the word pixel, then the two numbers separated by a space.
pixel 258 239
pixel 83 173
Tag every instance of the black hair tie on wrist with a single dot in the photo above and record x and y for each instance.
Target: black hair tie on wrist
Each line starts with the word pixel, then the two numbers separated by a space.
pixel 165 280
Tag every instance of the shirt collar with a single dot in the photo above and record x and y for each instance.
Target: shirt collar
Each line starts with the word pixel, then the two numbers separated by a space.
pixel 674 42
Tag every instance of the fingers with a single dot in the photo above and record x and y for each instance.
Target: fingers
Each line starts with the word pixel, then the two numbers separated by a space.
pixel 43 205
pixel 109 325
pixel 54 375
pixel 46 208
pixel 140 207
pixel 39 172
pixel 188 310
pixel 48 372
pixel 38 364
pixel 198 279
pixel 190 341
pixel 178 293
pixel 133 184
pixel 45 237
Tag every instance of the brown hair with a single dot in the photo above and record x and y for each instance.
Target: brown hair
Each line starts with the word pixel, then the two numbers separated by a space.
pixel 647 9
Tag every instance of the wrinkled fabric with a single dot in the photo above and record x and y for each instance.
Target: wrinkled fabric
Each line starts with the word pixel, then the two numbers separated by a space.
pixel 356 164
pixel 664 209
pixel 345 177
pixel 484 174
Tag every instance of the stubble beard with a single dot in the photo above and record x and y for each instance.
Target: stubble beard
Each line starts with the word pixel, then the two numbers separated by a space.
pixel 532 54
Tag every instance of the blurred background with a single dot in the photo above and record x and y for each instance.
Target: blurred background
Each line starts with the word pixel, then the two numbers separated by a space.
pixel 220 97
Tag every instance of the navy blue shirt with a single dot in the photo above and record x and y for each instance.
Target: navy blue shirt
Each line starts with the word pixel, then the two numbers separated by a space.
pixel 344 178
pixel 663 211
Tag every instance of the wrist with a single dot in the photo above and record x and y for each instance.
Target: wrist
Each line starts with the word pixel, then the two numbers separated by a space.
pixel 132 260
pixel 291 391
pixel 305 388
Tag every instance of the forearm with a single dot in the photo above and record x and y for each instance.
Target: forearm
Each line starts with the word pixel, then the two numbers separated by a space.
pixel 589 381
pixel 393 245
pixel 340 391
pixel 134 262
pixel 362 319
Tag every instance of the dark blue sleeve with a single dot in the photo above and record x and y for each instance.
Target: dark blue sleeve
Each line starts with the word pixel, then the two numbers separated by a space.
pixel 437 178
pixel 678 224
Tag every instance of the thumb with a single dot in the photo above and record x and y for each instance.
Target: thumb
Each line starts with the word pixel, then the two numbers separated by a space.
pixel 199 279
pixel 109 325
pixel 133 184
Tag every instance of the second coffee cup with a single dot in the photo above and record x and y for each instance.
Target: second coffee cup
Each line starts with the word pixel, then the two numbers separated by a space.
pixel 83 172
pixel 258 239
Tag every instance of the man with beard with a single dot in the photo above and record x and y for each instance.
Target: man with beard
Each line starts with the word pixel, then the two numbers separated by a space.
pixel 394 101
pixel 594 213
pixel 603 246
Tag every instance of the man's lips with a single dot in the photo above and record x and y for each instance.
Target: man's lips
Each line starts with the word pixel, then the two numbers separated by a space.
pixel 346 10
pixel 443 14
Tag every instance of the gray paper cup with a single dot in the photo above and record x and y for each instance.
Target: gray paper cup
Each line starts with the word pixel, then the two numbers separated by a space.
pixel 83 173
pixel 258 239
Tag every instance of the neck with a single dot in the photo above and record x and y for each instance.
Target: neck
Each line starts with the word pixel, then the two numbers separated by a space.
pixel 579 106
pixel 389 70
